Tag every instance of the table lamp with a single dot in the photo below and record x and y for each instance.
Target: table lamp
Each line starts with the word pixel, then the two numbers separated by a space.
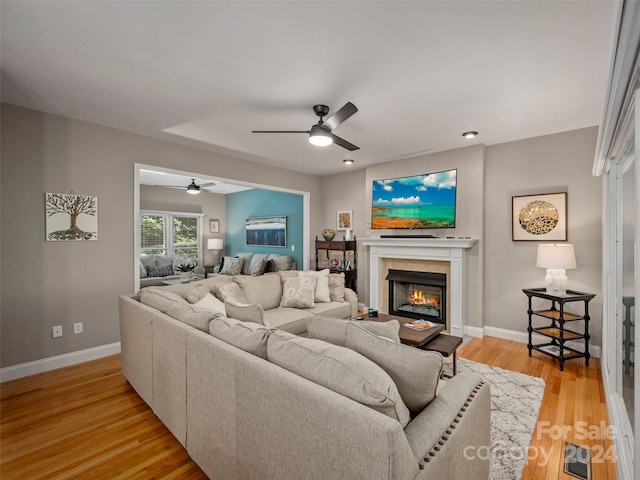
pixel 215 244
pixel 556 258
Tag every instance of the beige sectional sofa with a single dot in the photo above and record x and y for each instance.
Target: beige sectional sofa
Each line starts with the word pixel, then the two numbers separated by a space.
pixel 249 401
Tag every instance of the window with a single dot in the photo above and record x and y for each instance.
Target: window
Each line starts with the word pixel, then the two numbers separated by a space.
pixel 169 233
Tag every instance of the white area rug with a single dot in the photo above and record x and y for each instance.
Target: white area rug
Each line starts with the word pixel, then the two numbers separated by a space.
pixel 515 403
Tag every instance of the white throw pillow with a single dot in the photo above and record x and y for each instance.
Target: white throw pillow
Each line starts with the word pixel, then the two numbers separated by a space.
pixel 323 294
pixel 211 303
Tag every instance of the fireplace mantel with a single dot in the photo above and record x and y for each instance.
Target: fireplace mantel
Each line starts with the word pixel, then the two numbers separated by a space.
pixel 439 249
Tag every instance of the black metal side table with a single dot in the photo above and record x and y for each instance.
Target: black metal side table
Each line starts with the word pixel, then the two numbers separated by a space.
pixel 556 331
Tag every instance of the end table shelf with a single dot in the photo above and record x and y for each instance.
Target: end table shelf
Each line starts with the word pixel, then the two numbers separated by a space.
pixel 556 331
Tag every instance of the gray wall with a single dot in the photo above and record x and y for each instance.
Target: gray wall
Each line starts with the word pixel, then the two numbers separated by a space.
pixel 552 163
pixel 57 283
pixel 212 205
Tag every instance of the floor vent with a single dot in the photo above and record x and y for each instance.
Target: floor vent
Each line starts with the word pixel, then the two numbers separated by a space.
pixel 577 461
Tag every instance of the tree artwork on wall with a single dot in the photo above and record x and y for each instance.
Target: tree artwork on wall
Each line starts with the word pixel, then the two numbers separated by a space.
pixel 71 217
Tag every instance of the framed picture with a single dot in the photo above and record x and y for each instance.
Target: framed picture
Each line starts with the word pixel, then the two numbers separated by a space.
pixel 539 218
pixel 214 225
pixel 266 231
pixel 71 217
pixel 344 220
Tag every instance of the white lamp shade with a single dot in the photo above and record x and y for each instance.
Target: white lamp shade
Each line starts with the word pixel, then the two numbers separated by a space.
pixel 215 244
pixel 557 256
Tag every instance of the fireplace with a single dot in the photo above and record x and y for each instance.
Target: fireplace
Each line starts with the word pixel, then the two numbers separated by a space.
pixel 418 295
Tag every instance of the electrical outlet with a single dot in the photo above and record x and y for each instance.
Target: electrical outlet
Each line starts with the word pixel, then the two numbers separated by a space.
pixel 77 328
pixel 57 331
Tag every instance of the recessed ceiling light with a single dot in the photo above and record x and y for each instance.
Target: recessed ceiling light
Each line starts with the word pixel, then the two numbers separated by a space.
pixel 469 134
pixel 348 161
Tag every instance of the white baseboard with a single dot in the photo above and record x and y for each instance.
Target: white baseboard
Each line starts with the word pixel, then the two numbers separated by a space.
pixel 523 337
pixel 474 331
pixel 51 363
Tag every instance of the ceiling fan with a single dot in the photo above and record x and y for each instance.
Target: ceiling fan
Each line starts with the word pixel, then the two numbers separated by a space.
pixel 321 134
pixel 192 188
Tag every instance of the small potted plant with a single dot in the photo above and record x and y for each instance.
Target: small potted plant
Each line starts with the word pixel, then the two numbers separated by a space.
pixel 185 269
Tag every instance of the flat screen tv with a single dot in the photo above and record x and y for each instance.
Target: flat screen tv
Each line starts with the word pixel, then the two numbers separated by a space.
pixel 419 201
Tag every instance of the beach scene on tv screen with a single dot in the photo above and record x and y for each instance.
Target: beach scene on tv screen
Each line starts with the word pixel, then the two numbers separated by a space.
pixel 419 201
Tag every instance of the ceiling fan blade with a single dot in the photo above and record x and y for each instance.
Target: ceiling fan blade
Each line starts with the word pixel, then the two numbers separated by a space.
pixel 341 115
pixel 279 131
pixel 343 143
pixel 208 184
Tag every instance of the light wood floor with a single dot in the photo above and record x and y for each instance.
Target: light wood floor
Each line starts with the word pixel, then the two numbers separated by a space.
pixel 86 421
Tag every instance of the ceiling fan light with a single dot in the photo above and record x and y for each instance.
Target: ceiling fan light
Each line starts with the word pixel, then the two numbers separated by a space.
pixel 193 188
pixel 320 136
pixel 470 134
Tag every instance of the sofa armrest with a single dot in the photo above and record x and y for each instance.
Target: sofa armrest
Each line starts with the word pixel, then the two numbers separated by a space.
pixel 351 297
pixel 457 420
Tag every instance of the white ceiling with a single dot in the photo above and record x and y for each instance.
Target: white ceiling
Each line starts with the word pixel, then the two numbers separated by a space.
pixel 207 73
pixel 161 178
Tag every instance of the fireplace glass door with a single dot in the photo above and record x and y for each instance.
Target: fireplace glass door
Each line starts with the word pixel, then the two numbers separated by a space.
pixel 418 295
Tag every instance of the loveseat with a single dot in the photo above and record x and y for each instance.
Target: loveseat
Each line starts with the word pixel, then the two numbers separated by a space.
pixel 154 269
pixel 250 401
pixel 254 264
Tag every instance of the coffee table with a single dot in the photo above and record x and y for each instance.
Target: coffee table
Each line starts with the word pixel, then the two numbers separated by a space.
pixel 429 339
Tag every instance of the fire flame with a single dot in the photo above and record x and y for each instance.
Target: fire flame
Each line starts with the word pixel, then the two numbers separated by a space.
pixel 418 298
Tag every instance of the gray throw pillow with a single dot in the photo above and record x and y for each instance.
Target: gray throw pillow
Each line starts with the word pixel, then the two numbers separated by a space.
pixel 336 287
pixel 231 266
pixel 414 371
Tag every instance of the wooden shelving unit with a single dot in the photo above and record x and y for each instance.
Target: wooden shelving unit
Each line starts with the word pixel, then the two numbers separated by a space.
pixel 557 331
pixel 347 255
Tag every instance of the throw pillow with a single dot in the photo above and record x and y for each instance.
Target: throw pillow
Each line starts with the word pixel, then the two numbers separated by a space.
pixel 186 260
pixel 334 330
pixel 259 267
pixel 159 270
pixel 160 299
pixel 211 303
pixel 322 294
pixel 246 312
pixel 264 290
pixel 247 336
pixel 339 369
pixel 281 262
pixel 414 371
pixel 192 315
pixel 299 292
pixel 336 287
pixel 230 292
pixel 231 266
pixel 196 294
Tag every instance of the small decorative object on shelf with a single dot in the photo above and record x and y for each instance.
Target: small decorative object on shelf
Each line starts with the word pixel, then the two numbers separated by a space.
pixel 328 234
pixel 556 331
pixel 345 262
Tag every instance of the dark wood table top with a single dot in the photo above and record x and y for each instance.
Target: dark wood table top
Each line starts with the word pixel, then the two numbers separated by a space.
pixel 408 336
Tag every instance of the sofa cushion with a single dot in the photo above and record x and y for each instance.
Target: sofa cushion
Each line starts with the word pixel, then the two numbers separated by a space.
pixel 142 270
pixel 264 290
pixel 210 302
pixel 340 310
pixel 245 312
pixel 414 371
pixel 292 320
pixel 246 262
pixel 197 293
pixel 299 292
pixel 334 330
pixel 230 292
pixel 339 369
pixel 231 266
pixel 247 336
pixel 336 287
pixel 192 315
pixel 159 298
pixel 148 260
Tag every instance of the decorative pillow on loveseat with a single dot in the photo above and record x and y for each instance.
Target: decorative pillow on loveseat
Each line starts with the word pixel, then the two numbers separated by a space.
pixel 299 292
pixel 414 371
pixel 339 369
pixel 231 266
pixel 334 330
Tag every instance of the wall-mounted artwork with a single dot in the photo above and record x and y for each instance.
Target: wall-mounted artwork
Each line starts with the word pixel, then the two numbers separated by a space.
pixel 267 231
pixel 345 219
pixel 538 218
pixel 214 225
pixel 71 217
